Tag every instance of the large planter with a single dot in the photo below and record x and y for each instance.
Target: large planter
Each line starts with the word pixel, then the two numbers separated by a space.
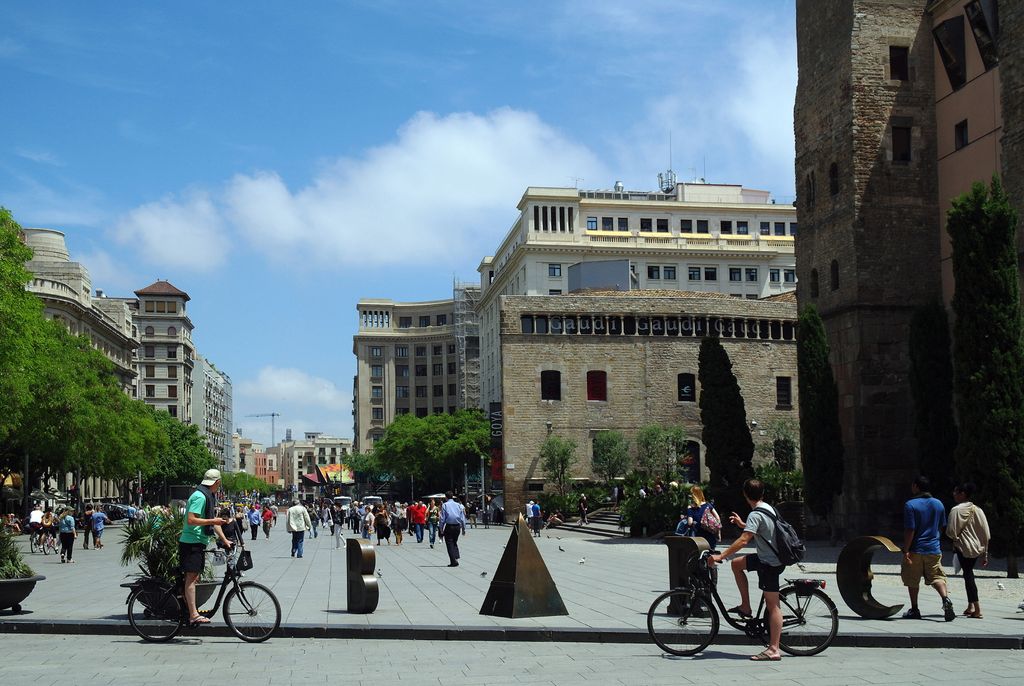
pixel 204 591
pixel 13 591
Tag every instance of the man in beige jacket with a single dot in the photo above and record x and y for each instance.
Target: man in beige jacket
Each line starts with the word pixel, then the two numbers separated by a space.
pixel 967 526
pixel 298 523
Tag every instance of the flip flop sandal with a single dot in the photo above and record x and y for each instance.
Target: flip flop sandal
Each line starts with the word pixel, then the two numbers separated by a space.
pixel 739 611
pixel 198 621
pixel 765 656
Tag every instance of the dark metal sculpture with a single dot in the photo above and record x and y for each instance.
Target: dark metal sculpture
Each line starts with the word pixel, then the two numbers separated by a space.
pixel 683 553
pixel 853 576
pixel 522 585
pixel 363 592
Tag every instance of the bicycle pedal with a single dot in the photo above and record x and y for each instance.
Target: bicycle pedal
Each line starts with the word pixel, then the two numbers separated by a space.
pixel 205 613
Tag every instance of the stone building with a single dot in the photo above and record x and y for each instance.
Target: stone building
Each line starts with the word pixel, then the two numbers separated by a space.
pixel 575 365
pixel 298 461
pixel 166 359
pixel 897 112
pixel 1011 59
pixel 212 410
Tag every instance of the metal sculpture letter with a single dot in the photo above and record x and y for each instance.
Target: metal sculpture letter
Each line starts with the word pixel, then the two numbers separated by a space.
pixel 363 593
pixel 853 576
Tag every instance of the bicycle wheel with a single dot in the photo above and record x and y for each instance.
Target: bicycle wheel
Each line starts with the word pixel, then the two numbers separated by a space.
pixel 682 623
pixel 155 612
pixel 809 623
pixel 46 545
pixel 252 612
pixel 33 543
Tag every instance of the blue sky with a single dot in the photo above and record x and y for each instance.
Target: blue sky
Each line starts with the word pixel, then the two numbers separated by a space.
pixel 279 161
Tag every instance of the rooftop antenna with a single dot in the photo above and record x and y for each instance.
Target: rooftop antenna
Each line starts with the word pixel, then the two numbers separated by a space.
pixel 576 181
pixel 667 180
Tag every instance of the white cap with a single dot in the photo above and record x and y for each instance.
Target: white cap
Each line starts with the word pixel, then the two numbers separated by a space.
pixel 211 477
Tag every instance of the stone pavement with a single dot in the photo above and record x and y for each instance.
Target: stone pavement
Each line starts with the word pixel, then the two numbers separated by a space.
pixel 607 586
pixel 122 660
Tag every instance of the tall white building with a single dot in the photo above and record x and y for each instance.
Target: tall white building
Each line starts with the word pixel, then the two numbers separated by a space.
pixel 166 359
pixel 693 237
pixel 212 410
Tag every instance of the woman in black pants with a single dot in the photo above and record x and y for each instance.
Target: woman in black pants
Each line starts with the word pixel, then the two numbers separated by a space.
pixel 66 527
pixel 968 528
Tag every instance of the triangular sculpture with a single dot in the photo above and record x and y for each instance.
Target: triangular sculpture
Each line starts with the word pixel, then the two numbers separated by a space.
pixel 522 585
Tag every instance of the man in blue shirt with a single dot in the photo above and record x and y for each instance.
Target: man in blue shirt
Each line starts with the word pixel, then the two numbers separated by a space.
pixel 923 518
pixel 453 523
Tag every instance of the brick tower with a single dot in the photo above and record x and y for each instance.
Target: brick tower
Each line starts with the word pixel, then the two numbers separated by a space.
pixel 868 247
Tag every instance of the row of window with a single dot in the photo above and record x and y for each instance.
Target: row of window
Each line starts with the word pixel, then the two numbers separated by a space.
pixel 424 321
pixel 172 391
pixel 686 326
pixel 161 306
pixel 172 371
pixel 686 387
pixel 378 412
pixel 726 227
pixel 833 279
pixel 171 331
pixel 667 272
pixel 402 370
pixel 951 41
pixel 149 352
pixel 421 391
pixel 403 350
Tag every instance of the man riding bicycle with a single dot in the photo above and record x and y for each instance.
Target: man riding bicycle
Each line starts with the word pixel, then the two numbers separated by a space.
pixel 200 526
pixel 761 527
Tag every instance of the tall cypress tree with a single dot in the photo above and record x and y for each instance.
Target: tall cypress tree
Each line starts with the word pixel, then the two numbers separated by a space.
pixel 989 360
pixel 821 444
pixel 729 446
pixel 931 384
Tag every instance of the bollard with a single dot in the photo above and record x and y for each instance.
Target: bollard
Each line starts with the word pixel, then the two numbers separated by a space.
pixel 363 592
pixel 683 552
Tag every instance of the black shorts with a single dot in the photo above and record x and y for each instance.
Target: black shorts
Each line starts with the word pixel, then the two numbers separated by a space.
pixel 767 575
pixel 192 557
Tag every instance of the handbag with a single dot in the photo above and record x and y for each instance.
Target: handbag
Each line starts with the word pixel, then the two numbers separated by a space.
pixel 244 561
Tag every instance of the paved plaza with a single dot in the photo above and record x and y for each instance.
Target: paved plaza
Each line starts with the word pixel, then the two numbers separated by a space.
pixel 607 586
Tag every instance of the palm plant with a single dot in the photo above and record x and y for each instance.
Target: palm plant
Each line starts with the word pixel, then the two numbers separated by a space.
pixel 153 544
pixel 12 566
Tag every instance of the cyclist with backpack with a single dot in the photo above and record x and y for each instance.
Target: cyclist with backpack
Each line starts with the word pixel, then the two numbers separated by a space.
pixel 763 525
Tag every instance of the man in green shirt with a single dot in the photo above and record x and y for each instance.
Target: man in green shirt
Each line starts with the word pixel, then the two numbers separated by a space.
pixel 200 526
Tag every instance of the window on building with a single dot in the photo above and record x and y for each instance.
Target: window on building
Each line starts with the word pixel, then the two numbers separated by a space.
pixel 451 348
pixel 554 291
pixel 172 391
pixel 792 228
pixel 451 390
pixel 833 179
pixel 150 306
pixel 451 367
pixel 960 135
pixel 780 228
pixel 401 410
pixel 693 274
pixel 421 391
pixel 725 226
pixel 607 223
pixel 375 351
pixel 751 296
pixel 550 385
pixel 809 185
pixel 766 228
pixel 438 369
pixel 686 388
pixel 774 275
pixel 623 224
pixel 172 372
pixel 150 391
pixel 376 370
pixel 592 223
pixel 597 385
pixel 669 273
pixel 150 371
pixel 421 370
pixel 401 351
pixel 685 226
pixel 171 331
pixel 784 392
pixel 442 319
pixel 702 226
pixel 653 272
pixel 752 274
pixel 901 151
pixel 401 391
pixel 150 331
pixel 437 350
pixel 161 306
pixel 646 224
pixel 376 391
pixel 984 19
pixel 378 413
pixel 554 270
pixel 425 320
pixel 952 45
pixel 814 283
pixel 421 351
pixel 377 437
pixel 172 307
pixel 735 274
pixel 440 409
pixel 711 273
pixel 438 390
pixel 742 228
pixel 402 371
pixel 172 410
pixel 172 352
pixel 833 275
pixel 789 275
pixel 899 63
pixel 149 351
pixel 662 226
pixel 421 412
pixel 404 322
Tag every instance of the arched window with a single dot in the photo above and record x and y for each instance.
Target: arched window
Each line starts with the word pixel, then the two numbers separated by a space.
pixel 810 189
pixel 814 283
pixel 597 385
pixel 149 330
pixel 686 388
pixel 550 385
pixel 833 179
pixel 833 279
pixel 171 331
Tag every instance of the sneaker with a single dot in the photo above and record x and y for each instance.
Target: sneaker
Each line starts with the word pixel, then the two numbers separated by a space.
pixel 947 609
pixel 912 613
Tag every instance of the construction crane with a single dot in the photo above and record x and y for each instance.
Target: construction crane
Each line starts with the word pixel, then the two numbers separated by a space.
pixel 272 415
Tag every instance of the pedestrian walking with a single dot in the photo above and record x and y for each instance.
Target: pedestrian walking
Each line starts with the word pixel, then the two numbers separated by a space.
pixel 536 519
pixel 433 520
pixel 314 520
pixel 298 524
pixel 68 534
pixel 338 519
pixel 267 517
pixel 968 528
pixel 98 521
pixel 382 524
pixel 583 508
pixel 355 516
pixel 399 521
pixel 254 521
pixel 923 518
pixel 273 508
pixel 417 513
pixel 366 522
pixel 325 518
pixel 452 523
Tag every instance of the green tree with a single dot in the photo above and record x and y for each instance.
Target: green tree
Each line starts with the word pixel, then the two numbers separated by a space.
pixel 611 455
pixel 821 445
pixel 989 360
pixel 729 446
pixel 557 457
pixel 931 384
pixel 651 450
pixel 367 469
pixel 185 458
pixel 243 482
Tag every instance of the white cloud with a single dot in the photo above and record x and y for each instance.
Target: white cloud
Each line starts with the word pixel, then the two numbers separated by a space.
pixel 188 232
pixel 762 104
pixel 295 387
pixel 40 156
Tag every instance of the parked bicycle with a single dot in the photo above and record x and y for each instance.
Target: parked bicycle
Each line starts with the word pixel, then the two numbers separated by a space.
pixel 157 611
pixel 684 621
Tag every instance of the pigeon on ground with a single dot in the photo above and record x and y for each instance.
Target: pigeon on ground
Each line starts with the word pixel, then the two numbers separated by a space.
pixel 483 574
pixel 801 566
pixel 1021 606
pixel 1000 586
pixel 583 560
pixel 561 548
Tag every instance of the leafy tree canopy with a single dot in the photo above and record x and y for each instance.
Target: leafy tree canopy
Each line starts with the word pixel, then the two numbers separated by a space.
pixel 557 457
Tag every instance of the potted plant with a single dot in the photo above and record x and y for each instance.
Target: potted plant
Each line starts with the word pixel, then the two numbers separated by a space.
pixel 16 578
pixel 152 543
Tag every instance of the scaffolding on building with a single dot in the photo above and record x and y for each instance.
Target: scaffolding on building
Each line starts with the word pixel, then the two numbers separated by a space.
pixel 467 342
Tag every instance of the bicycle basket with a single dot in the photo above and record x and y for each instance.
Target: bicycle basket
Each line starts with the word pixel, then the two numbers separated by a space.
pixel 244 561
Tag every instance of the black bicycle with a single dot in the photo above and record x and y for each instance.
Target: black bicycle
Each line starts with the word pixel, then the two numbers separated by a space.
pixel 157 609
pixel 684 621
